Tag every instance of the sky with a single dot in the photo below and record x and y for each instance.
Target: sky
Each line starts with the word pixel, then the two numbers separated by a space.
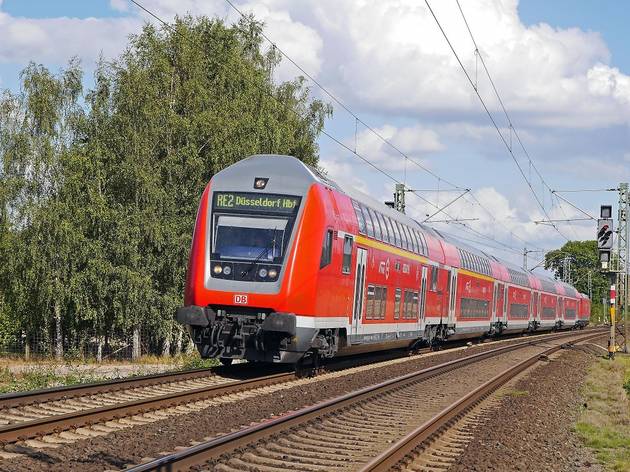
pixel 561 69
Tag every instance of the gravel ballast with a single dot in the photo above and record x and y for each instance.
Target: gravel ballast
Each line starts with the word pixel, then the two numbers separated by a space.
pixel 532 428
pixel 133 445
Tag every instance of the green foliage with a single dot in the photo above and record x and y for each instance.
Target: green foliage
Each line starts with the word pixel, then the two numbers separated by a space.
pixel 584 259
pixel 604 423
pixel 42 377
pixel 196 362
pixel 100 189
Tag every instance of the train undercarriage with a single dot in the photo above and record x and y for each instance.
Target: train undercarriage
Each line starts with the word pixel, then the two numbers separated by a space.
pixel 259 335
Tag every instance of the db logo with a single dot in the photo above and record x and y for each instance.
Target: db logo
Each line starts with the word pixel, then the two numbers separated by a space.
pixel 240 299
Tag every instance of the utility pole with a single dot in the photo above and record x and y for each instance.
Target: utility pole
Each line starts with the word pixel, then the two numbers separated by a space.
pixel 399 198
pixel 623 241
pixel 525 258
pixel 566 269
pixel 590 285
pixel 526 252
pixel 612 347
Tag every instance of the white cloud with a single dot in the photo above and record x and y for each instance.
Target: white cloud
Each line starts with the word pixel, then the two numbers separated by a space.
pixel 56 40
pixel 391 57
pixel 413 141
pixel 343 169
pixel 388 57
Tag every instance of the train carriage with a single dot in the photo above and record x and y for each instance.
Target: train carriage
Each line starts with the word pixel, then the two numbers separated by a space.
pixel 286 263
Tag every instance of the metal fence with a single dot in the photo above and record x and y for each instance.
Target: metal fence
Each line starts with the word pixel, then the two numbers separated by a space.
pixel 88 345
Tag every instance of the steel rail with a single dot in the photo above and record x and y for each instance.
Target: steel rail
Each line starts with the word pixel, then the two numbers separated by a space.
pixel 56 423
pixel 213 449
pixel 406 447
pixel 17 399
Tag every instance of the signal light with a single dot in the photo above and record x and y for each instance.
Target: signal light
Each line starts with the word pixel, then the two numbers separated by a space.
pixel 273 273
pixel 604 234
pixel 227 270
pixel 263 273
pixel 217 269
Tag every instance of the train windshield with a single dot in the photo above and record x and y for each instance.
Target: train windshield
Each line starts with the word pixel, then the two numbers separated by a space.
pixel 246 238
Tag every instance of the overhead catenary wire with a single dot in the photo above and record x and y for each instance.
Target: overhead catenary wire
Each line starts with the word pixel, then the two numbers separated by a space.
pixel 367 126
pixel 323 131
pixel 341 143
pixel 344 106
pixel 508 145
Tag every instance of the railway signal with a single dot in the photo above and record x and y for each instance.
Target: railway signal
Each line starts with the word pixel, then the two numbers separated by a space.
pixel 605 236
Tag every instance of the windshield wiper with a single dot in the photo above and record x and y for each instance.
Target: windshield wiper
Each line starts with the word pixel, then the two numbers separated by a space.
pixel 263 253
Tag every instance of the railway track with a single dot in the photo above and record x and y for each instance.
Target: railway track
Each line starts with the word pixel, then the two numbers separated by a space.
pixel 351 431
pixel 66 414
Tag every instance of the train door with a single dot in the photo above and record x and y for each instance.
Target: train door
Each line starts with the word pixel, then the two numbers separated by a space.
pixel 359 289
pixel 452 297
pixel 423 297
pixel 495 298
pixel 498 301
pixel 535 313
pixel 505 305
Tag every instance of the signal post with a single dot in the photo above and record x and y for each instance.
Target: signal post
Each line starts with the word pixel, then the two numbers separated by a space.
pixel 612 347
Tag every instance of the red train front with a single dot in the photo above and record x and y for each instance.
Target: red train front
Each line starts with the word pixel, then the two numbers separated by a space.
pixel 286 264
pixel 252 290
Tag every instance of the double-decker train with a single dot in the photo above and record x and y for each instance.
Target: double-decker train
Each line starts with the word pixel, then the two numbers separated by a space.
pixel 287 264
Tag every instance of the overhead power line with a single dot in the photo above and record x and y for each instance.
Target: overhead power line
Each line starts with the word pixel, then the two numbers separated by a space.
pixel 344 106
pixel 345 146
pixel 508 145
pixel 367 126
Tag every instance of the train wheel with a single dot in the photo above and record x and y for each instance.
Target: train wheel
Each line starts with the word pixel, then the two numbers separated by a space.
pixel 226 361
pixel 308 365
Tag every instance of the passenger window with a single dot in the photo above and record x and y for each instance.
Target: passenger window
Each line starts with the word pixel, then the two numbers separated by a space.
pixel 368 222
pixel 378 232
pixel 396 233
pixel 424 243
pixel 434 279
pixel 414 238
pixel 408 305
pixel 326 249
pixel 407 238
pixel 360 217
pixel 347 255
pixel 384 227
pixel 383 306
pixel 397 296
pixel 403 238
pixel 414 233
pixel 369 306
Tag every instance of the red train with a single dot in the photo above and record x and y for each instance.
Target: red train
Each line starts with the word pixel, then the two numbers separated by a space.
pixel 286 263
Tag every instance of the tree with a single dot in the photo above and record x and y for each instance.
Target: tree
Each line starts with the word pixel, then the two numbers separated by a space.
pixel 584 260
pixel 99 191
pixel 38 132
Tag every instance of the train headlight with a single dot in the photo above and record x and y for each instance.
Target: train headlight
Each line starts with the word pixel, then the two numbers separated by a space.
pixel 227 270
pixel 263 273
pixel 273 273
pixel 217 269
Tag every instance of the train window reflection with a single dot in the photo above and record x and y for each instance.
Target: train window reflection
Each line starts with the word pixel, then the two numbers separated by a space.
pixel 249 238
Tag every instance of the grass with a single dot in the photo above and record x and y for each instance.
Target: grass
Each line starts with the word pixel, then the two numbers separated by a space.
pixel 604 423
pixel 37 378
pixel 517 393
pixel 44 373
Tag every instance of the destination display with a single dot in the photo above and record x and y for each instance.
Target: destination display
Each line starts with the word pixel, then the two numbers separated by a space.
pixel 255 202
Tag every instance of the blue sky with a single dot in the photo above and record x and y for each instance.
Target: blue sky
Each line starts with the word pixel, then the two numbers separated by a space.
pixel 562 69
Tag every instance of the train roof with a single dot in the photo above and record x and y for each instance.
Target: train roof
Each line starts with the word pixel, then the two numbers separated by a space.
pixel 297 176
